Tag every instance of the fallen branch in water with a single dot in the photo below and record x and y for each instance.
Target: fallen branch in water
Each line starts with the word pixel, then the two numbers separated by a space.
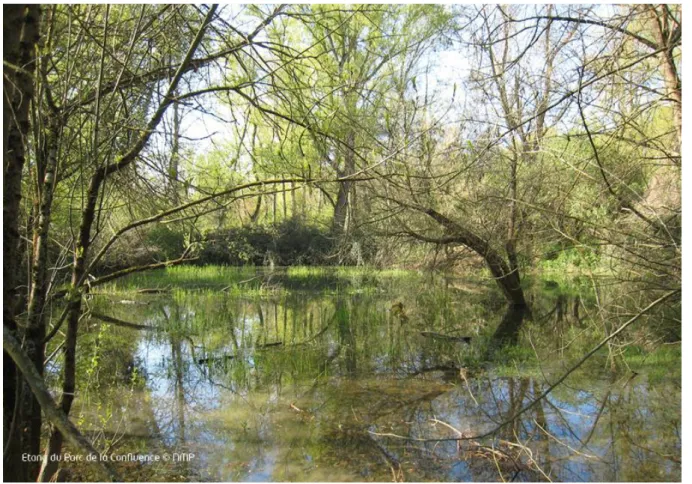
pixel 120 322
pixel 429 369
pixel 549 389
pixel 495 452
pixel 235 284
pixel 391 460
pixel 230 357
pixel 154 290
pixel 446 337
pixel 295 408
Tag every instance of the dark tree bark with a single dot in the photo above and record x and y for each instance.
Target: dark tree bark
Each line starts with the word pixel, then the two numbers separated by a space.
pixel 508 330
pixel 455 233
pixel 60 420
pixel 505 276
pixel 35 333
pixel 668 35
pixel 20 34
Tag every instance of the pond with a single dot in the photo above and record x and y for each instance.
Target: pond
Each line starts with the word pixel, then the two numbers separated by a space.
pixel 307 374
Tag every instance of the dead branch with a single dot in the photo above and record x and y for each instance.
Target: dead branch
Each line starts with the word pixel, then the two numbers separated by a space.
pixel 50 409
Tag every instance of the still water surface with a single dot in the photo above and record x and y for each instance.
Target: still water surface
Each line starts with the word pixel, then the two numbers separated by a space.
pixel 351 377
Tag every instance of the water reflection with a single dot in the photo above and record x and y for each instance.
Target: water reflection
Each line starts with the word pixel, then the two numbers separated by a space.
pixel 332 386
pixel 507 331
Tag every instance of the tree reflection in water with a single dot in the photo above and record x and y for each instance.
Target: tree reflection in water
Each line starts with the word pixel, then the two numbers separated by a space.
pixel 354 393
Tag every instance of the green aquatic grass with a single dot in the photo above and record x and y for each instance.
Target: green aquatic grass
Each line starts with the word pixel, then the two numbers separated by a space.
pixel 302 271
pixel 431 302
pixel 662 354
pixel 664 362
pixel 192 277
pixel 260 281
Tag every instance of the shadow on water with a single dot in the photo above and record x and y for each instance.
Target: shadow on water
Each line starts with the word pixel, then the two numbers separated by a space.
pixel 347 384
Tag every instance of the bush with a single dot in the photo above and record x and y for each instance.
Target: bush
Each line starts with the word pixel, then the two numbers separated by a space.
pixel 169 243
pixel 289 243
pixel 300 244
pixel 141 247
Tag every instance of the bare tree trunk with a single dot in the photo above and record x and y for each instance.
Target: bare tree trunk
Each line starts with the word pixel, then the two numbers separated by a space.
pixel 74 308
pixel 255 214
pixel 294 203
pixel 173 167
pixel 345 188
pixel 507 279
pixel 510 246
pixel 13 23
pixel 12 30
pixel 35 333
pixel 666 38
pixel 283 197
pixel 20 34
pixel 340 210
pixel 258 206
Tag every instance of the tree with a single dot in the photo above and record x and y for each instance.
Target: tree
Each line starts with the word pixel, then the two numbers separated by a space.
pixel 86 139
pixel 329 90
pixel 20 35
pixel 553 144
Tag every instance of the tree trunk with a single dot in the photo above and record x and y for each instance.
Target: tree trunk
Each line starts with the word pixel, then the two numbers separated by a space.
pixel 35 333
pixel 666 38
pixel 345 188
pixel 505 277
pixel 53 413
pixel 510 246
pixel 283 198
pixel 173 168
pixel 74 308
pixel 255 215
pixel 21 34
pixel 340 210
pixel 507 331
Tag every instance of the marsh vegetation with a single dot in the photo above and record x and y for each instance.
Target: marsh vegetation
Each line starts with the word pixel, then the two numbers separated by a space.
pixel 342 242
pixel 314 374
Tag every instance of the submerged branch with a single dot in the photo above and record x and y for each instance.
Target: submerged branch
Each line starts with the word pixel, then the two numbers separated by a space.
pixel 120 322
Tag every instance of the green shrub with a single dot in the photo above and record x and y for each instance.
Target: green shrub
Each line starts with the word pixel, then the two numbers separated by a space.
pixel 292 242
pixel 170 243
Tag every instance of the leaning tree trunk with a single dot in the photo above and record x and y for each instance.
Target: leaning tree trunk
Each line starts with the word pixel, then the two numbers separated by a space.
pixel 505 277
